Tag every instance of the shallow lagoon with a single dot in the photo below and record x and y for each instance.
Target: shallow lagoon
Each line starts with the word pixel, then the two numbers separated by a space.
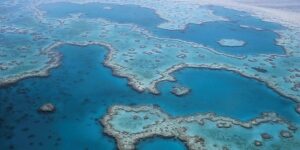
pixel 208 34
pixel 83 89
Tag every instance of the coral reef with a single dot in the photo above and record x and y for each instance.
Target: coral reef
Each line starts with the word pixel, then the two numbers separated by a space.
pixel 180 90
pixel 135 53
pixel 202 131
pixel 47 108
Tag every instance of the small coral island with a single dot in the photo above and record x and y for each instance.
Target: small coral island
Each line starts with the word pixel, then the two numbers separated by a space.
pixel 180 90
pixel 47 108
pixel 231 42
pixel 129 125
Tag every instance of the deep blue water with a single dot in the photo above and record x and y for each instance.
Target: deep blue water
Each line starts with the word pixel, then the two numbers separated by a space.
pixel 161 144
pixel 258 42
pixel 83 89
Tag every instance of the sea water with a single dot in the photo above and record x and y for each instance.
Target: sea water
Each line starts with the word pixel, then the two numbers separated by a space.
pixel 161 144
pixel 208 34
pixel 82 89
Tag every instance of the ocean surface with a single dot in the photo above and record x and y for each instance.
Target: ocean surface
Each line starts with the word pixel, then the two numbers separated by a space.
pixel 161 144
pixel 207 34
pixel 82 88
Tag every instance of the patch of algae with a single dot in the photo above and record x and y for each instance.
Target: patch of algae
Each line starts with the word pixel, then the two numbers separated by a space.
pixel 202 131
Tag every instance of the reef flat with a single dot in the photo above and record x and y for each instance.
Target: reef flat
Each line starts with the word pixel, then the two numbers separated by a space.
pixel 144 58
pixel 25 54
pixel 79 102
pixel 129 125
pixel 30 37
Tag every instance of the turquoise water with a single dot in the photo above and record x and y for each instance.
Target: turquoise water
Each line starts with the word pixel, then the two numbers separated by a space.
pixel 208 34
pixel 161 144
pixel 83 89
